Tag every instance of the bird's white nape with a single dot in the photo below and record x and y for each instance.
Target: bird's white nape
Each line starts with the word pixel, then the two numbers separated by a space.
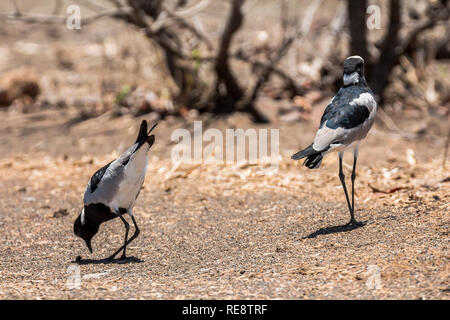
pixel 355 57
pixel 83 217
pixel 351 78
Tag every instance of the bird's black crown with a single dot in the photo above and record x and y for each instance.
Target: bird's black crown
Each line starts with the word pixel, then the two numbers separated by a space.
pixel 354 64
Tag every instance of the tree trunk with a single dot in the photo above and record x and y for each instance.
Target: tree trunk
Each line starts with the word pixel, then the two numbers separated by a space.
pixel 223 71
pixel 358 29
pixel 164 37
pixel 389 56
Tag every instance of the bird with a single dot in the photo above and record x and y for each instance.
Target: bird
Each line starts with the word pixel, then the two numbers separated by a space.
pixel 113 189
pixel 344 124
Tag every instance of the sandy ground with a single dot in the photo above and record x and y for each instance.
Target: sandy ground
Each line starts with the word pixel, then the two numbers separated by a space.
pixel 214 231
pixel 208 231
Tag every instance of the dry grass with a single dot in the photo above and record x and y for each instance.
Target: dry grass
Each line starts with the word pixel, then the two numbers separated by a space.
pixel 214 231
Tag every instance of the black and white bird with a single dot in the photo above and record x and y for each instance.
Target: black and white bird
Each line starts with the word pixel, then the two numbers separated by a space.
pixel 112 191
pixel 346 121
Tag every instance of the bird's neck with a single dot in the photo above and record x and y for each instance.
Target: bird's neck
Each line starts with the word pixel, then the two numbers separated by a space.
pixel 96 214
pixel 354 79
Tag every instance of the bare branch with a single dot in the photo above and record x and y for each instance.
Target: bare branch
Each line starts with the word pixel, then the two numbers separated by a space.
pixel 303 29
pixel 194 10
pixel 16 7
pixel 309 16
pixel 198 33
pixel 51 19
pixel 393 48
pixel 222 67
pixel 146 15
pixel 181 3
pixel 437 14
pixel 284 17
pixel 116 3
pixel 290 82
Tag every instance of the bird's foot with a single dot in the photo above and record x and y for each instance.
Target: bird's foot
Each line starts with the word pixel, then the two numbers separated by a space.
pixel 355 224
pixel 122 257
pixel 110 258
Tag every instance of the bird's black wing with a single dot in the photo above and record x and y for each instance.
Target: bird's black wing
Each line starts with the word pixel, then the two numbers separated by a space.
pixel 140 140
pixel 142 135
pixel 341 114
pixel 97 177
pixel 347 116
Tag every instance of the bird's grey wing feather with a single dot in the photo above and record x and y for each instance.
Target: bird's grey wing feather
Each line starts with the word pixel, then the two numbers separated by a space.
pixel 105 182
pixel 123 159
pixel 106 185
pixel 127 155
pixel 97 177
pixel 326 136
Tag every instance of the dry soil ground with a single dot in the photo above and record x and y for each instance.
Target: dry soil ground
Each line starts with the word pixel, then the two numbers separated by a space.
pixel 207 231
pixel 214 231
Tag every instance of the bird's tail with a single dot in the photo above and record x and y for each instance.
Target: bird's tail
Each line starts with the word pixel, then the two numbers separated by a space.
pixel 313 157
pixel 142 135
pixel 145 136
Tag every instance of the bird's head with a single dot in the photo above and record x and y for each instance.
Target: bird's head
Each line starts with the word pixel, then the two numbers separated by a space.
pixel 353 70
pixel 84 230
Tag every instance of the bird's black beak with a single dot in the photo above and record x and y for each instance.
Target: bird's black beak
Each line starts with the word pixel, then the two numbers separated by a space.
pixel 88 243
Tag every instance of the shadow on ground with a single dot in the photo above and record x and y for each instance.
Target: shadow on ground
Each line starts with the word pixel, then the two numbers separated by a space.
pixel 81 261
pixel 335 229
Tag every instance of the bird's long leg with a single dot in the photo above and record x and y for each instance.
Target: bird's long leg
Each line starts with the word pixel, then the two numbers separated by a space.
pixel 352 212
pixel 134 236
pixel 125 242
pixel 353 186
pixel 124 247
pixel 136 230
pixel 342 178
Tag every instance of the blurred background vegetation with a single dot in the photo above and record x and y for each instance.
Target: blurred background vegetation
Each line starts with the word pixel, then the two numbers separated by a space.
pixel 272 59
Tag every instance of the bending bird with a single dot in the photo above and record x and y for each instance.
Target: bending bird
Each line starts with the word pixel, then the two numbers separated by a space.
pixel 112 191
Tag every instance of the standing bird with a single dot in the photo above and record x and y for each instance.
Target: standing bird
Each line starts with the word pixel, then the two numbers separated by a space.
pixel 113 190
pixel 346 121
